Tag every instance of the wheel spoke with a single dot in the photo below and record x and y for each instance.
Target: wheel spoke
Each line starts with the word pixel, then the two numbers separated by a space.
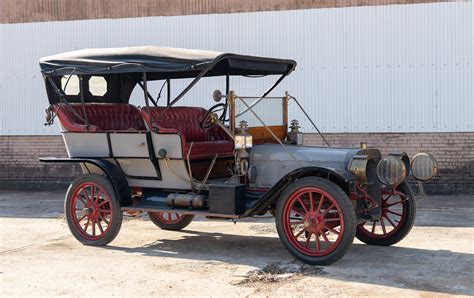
pixel 390 221
pixel 103 203
pixel 393 212
pixel 87 224
pixel 82 217
pixel 393 204
pixel 332 219
pixel 318 245
pixel 297 212
pixel 93 227
pixel 100 227
pixel 105 211
pixel 320 203
pixel 297 222
pixel 383 225
pixel 373 226
pixel 299 234
pixel 303 205
pixel 82 201
pixel 92 187
pixel 104 219
pixel 308 238
pixel 326 239
pixel 81 198
pixel 311 201
pixel 328 209
pixel 332 230
pixel 99 194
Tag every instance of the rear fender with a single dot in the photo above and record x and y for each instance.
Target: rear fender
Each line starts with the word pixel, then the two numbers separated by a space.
pixel 342 178
pixel 114 173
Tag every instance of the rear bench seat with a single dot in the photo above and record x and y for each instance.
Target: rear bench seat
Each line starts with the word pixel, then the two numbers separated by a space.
pixel 185 122
pixel 101 116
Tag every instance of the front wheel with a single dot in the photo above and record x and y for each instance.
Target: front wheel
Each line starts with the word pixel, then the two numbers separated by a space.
pixel 92 210
pixel 315 221
pixel 396 221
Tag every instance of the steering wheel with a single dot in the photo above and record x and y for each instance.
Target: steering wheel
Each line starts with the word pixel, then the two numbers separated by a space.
pixel 210 117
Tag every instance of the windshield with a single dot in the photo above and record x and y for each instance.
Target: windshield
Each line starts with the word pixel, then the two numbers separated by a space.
pixel 270 110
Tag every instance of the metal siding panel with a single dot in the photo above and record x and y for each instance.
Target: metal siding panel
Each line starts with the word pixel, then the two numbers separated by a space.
pixel 397 68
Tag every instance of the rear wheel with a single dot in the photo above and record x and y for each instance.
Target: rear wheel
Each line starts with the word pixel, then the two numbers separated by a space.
pixel 92 211
pixel 315 221
pixel 398 217
pixel 170 221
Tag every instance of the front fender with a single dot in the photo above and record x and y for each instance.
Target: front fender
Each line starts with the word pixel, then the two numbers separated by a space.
pixel 341 177
pixel 114 173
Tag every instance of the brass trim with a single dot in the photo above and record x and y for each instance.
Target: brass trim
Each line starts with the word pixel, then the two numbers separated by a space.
pixel 359 167
pixel 231 104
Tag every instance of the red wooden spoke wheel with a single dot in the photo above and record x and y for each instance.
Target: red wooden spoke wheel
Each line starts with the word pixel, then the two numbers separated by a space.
pixel 397 218
pixel 92 211
pixel 170 221
pixel 315 220
pixel 167 217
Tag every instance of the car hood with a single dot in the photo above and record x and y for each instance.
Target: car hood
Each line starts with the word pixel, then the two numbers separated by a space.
pixel 307 156
pixel 272 161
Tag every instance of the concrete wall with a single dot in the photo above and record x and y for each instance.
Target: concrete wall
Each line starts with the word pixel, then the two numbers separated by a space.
pixel 23 11
pixel 20 169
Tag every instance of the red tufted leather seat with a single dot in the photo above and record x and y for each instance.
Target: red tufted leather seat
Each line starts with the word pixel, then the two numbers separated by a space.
pixel 101 117
pixel 185 122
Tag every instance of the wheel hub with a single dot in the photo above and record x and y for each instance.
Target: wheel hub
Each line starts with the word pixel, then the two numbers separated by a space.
pixel 87 211
pixel 91 210
pixel 313 223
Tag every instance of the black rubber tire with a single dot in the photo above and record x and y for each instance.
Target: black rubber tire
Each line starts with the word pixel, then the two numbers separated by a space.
pixel 346 208
pixel 116 222
pixel 184 222
pixel 410 204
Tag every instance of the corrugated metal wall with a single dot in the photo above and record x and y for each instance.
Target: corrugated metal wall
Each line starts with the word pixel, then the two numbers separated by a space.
pixel 397 68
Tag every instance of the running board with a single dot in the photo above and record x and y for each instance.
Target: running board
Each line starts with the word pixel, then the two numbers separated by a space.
pixel 164 208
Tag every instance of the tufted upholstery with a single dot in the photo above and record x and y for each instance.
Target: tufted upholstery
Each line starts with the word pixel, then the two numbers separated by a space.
pixel 185 121
pixel 102 117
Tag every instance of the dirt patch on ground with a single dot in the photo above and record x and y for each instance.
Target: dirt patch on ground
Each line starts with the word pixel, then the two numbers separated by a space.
pixel 279 272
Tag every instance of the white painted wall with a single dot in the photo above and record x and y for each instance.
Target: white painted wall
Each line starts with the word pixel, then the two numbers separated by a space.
pixel 396 68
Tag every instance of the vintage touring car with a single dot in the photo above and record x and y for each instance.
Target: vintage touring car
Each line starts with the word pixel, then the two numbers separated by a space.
pixel 228 162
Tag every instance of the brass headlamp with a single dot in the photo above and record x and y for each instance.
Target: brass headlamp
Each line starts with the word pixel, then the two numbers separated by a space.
pixel 424 166
pixel 363 167
pixel 392 170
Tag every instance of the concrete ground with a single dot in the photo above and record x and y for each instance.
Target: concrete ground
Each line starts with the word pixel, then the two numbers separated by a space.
pixel 38 256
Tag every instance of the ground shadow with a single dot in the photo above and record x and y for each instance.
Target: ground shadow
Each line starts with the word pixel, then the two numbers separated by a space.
pixel 402 267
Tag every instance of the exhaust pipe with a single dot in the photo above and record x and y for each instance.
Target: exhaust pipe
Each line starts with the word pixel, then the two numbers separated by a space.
pixel 190 201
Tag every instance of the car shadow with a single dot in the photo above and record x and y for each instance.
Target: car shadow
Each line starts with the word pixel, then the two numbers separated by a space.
pixel 395 266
